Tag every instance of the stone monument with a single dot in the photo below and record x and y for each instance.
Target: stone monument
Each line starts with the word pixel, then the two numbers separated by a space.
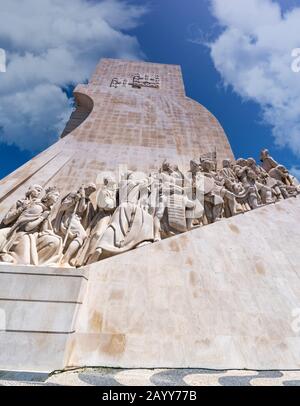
pixel 137 240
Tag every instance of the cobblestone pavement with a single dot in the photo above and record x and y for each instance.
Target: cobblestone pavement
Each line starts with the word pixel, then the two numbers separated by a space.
pixel 156 377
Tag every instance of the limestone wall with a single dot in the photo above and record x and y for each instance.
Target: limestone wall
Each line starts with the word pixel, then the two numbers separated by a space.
pixel 218 297
pixel 38 307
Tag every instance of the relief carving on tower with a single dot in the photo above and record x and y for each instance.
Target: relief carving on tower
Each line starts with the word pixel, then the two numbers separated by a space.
pixel 139 209
pixel 138 81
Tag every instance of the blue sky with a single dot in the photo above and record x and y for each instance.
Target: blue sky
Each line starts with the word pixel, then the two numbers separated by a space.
pixel 235 62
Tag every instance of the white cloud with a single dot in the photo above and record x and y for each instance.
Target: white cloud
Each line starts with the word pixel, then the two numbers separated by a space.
pixel 253 54
pixel 51 44
pixel 295 170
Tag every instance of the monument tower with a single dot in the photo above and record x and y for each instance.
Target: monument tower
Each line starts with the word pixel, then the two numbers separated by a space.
pixel 130 113
pixel 91 275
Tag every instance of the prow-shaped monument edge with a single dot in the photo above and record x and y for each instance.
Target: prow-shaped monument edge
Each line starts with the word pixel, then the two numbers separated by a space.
pixel 219 297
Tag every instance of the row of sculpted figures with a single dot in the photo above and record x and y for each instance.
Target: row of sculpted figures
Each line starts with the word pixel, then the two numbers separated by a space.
pixel 45 229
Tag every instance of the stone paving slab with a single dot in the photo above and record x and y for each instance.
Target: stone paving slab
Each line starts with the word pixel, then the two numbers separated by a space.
pixel 151 377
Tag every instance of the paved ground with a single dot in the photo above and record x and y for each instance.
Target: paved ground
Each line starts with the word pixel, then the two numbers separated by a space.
pixel 157 377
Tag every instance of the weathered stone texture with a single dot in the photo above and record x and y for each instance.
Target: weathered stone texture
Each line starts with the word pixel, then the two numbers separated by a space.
pixel 126 126
pixel 220 297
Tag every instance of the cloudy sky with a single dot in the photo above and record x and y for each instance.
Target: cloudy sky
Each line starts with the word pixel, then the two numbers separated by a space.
pixel 236 57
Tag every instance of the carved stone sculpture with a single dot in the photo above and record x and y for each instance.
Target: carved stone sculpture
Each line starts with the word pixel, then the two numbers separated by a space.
pixel 131 224
pixel 106 205
pixel 140 209
pixel 74 216
pixel 268 162
pixel 31 240
pixel 284 181
pixel 17 209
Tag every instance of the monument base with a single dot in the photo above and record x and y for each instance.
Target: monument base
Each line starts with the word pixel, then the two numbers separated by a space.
pixel 38 308
pixel 224 296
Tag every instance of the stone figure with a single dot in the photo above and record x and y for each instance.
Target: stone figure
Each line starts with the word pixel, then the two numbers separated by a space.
pixel 33 193
pixel 226 172
pixel 197 187
pixel 248 178
pixel 106 205
pixel 267 161
pixel 31 240
pixel 42 230
pixel 16 210
pixel 213 200
pixel 131 224
pixel 176 210
pixel 284 181
pixel 264 189
pixel 49 244
pixel 228 188
pixel 74 216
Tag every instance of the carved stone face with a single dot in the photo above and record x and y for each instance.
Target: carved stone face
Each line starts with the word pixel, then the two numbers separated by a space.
pixel 194 167
pixel 228 184
pixel 252 175
pixel 251 162
pixel 35 191
pixel 51 198
pixel 226 163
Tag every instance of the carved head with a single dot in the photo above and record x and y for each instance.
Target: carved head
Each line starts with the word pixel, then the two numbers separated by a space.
pixel 264 154
pixel 166 167
pixel 226 163
pixel 34 191
pixel 228 184
pixel 283 169
pixel 251 175
pixel 241 162
pixel 208 165
pixel 107 181
pixel 89 189
pixel 51 197
pixel 251 162
pixel 194 167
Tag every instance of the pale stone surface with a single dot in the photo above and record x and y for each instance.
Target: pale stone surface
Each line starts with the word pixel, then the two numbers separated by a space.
pixel 40 306
pixel 218 297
